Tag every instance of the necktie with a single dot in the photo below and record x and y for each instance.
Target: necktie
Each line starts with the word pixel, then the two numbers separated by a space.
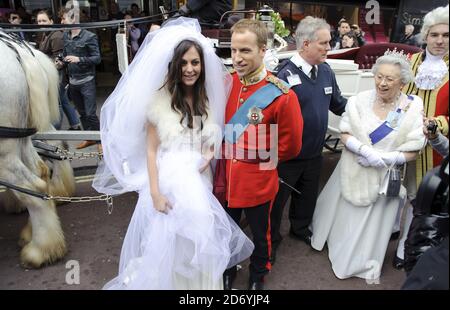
pixel 313 73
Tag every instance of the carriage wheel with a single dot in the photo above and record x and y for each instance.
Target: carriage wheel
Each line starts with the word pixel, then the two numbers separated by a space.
pixel 332 144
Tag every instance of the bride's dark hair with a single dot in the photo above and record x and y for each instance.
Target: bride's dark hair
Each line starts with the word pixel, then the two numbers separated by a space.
pixel 174 84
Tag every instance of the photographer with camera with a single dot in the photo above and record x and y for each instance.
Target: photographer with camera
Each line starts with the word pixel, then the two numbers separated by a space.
pixel 430 69
pixel 426 249
pixel 430 224
pixel 436 139
pixel 81 54
pixel 133 34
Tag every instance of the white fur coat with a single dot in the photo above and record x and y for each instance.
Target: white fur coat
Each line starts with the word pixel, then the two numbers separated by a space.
pixel 168 126
pixel 360 185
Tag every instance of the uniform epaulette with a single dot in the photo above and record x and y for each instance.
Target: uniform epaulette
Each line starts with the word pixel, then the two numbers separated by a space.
pixel 284 87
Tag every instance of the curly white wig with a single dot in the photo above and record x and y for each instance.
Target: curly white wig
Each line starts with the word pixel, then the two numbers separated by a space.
pixel 437 16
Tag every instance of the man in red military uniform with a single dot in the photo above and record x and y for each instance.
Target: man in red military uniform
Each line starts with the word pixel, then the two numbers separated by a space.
pixel 267 122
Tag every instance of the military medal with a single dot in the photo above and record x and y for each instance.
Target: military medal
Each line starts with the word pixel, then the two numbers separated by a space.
pixel 255 116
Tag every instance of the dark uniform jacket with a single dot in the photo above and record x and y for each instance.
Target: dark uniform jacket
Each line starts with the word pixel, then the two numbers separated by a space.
pixel 315 98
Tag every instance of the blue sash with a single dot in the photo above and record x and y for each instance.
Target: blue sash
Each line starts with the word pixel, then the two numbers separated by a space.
pixel 261 99
pixel 384 129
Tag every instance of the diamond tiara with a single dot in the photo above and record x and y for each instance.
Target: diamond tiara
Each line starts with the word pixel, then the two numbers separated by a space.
pixel 397 54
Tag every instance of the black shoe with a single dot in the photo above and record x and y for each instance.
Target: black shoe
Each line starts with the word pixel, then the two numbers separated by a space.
pixel 255 285
pixel 273 254
pixel 228 279
pixel 394 235
pixel 398 263
pixel 306 238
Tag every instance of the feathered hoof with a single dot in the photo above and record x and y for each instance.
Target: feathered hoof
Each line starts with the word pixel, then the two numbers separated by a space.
pixel 33 256
pixel 25 235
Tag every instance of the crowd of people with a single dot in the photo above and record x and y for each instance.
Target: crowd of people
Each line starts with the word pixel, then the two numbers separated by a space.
pixel 163 141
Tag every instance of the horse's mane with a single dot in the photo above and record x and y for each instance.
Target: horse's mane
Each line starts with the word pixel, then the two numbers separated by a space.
pixel 42 79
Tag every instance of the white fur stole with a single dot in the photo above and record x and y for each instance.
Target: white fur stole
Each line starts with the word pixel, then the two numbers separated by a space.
pixel 360 185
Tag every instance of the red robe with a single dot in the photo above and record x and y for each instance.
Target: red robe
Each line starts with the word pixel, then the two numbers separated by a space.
pixel 435 103
pixel 247 185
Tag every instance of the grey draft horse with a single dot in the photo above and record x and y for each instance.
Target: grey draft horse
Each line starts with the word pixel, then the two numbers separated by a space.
pixel 29 99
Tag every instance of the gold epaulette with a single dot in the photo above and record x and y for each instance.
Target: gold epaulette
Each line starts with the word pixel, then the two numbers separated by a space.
pixel 278 83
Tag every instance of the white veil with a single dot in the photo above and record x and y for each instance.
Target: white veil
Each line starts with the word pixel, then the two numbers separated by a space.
pixel 123 116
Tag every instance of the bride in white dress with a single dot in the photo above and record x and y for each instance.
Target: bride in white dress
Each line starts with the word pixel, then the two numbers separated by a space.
pixel 154 143
pixel 351 216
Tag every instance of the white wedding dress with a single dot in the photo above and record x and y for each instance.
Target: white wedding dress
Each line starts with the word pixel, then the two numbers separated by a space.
pixel 192 245
pixel 357 236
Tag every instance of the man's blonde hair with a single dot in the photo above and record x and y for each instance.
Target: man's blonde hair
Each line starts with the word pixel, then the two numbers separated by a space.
pixel 255 26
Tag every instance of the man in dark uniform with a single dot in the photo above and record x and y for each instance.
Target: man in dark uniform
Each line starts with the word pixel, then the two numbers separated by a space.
pixel 266 110
pixel 315 85
pixel 206 11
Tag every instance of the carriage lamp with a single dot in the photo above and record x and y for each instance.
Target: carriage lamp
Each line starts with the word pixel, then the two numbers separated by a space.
pixel 264 14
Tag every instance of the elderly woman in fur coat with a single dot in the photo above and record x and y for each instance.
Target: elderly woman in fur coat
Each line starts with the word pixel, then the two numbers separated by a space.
pixel 381 128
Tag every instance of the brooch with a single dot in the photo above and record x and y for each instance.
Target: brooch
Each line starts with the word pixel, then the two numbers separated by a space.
pixel 255 116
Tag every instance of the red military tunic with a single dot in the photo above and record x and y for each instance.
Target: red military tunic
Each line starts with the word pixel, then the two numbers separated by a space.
pixel 247 184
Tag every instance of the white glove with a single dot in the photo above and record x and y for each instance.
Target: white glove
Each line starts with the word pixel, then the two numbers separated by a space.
pixel 372 156
pixel 396 158
pixel 353 145
pixel 363 161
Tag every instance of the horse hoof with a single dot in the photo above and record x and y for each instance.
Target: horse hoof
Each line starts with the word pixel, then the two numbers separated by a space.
pixel 33 256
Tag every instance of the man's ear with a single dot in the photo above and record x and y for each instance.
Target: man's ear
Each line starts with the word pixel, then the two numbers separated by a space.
pixel 306 43
pixel 264 48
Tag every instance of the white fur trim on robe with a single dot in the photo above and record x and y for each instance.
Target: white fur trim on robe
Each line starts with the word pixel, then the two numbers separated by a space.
pixel 167 121
pixel 360 185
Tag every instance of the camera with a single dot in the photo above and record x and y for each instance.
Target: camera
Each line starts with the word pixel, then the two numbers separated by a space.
pixel 432 126
pixel 60 57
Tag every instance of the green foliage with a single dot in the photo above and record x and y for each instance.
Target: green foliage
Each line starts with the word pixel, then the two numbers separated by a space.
pixel 280 29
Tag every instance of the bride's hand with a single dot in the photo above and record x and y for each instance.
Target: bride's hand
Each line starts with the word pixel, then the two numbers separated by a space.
pixel 161 204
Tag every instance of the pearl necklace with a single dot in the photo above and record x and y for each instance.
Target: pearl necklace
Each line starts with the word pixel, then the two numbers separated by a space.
pixel 388 105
